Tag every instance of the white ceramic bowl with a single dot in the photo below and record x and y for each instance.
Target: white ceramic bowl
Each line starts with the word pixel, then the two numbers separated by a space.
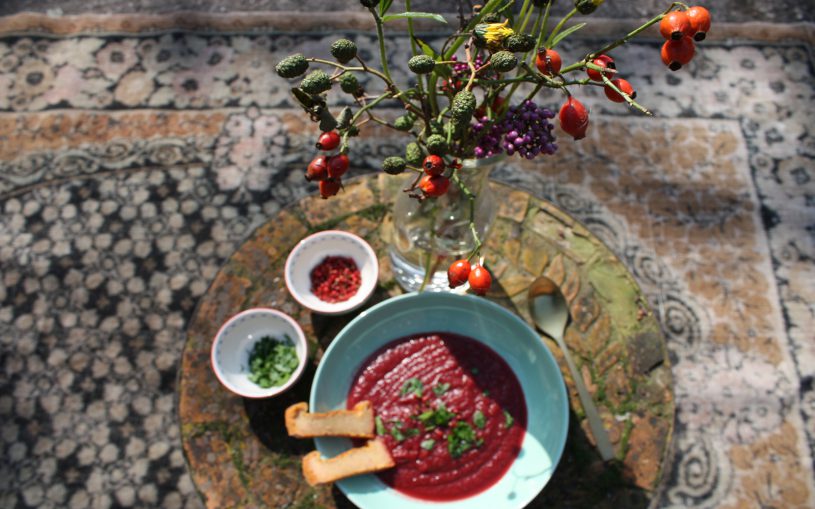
pixel 234 343
pixel 312 250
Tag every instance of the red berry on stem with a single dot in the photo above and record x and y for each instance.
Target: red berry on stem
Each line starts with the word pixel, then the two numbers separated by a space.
pixel 338 165
pixel 317 169
pixel 548 62
pixel 480 280
pixel 603 61
pixel 329 187
pixel 624 86
pixel 699 21
pixel 328 140
pixel 458 273
pixel 433 165
pixel 434 185
pixel 675 54
pixel 574 118
pixel 675 25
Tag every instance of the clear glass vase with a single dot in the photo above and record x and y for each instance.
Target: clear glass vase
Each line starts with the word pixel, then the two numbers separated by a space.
pixel 431 234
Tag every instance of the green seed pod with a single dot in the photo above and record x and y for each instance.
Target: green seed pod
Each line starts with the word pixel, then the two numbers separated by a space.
pixel 414 154
pixel 504 61
pixel 519 43
pixel 327 121
pixel 421 64
pixel 343 50
pixel 292 66
pixel 394 165
pixel 405 122
pixel 344 118
pixel 349 83
pixel 316 82
pixel 492 17
pixel 436 127
pixel 587 6
pixel 462 109
pixel 369 3
pixel 353 131
pixel 436 144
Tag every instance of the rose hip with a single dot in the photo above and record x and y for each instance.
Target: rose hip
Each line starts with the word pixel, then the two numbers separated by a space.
pixel 458 273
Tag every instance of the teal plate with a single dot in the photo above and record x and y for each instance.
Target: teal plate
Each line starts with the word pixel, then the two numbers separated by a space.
pixel 480 319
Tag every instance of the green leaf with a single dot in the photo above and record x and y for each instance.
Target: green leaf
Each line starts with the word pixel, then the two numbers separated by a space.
pixel 397 434
pixel 562 35
pixel 384 5
pixel 414 15
pixel 426 49
pixel 428 444
pixel 508 419
pixel 479 419
pixel 441 389
pixel 413 385
pixel 380 426
pixel 461 439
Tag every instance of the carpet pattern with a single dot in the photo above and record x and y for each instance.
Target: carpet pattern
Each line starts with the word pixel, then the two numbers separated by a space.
pixel 133 165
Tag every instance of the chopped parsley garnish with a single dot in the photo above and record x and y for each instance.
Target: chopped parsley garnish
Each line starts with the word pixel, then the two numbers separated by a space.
pixel 413 385
pixel 461 439
pixel 412 432
pixel 380 426
pixel 508 419
pixel 479 420
pixel 397 434
pixel 441 389
pixel 428 444
pixel 438 417
pixel 474 371
pixel 272 361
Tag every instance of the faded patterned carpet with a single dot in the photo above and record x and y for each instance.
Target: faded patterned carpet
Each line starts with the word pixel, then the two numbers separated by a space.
pixel 134 159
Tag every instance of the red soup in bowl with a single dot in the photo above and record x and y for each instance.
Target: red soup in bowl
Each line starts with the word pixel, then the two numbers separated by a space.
pixel 450 410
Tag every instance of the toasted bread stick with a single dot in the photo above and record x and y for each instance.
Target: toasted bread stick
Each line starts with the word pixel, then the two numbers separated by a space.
pixel 355 423
pixel 371 457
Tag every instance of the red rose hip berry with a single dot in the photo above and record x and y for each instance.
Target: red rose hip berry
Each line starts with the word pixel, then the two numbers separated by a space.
pixel 480 280
pixel 458 273
pixel 548 62
pixel 328 140
pixel 604 61
pixel 433 165
pixel 329 187
pixel 434 186
pixel 675 25
pixel 675 54
pixel 317 169
pixel 574 118
pixel 338 165
pixel 699 22
pixel 624 87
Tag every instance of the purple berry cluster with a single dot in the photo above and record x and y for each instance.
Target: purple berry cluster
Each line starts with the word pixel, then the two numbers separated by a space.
pixel 525 130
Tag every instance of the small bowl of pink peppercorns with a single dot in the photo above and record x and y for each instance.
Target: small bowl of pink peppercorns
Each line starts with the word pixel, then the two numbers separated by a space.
pixel 332 272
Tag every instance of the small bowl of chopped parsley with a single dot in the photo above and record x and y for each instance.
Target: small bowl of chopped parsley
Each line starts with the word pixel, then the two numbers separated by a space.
pixel 259 353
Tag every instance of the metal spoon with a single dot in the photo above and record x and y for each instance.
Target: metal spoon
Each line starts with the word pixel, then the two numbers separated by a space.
pixel 551 313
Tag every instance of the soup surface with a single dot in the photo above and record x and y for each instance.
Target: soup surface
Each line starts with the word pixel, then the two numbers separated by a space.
pixel 450 410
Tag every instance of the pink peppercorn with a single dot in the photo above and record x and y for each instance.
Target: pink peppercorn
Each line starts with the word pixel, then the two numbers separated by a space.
pixel 335 279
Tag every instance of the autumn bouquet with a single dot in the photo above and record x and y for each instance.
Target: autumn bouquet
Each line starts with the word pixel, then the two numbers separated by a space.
pixel 472 97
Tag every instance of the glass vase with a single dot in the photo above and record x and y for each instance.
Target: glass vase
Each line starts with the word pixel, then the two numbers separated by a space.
pixel 431 234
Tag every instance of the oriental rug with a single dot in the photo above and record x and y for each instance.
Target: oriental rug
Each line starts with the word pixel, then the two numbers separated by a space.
pixel 137 154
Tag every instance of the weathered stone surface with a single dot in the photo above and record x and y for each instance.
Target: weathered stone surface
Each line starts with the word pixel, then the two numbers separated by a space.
pixel 646 445
pixel 512 205
pixel 646 351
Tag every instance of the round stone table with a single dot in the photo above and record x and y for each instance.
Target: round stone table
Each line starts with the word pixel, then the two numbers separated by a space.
pixel 237 449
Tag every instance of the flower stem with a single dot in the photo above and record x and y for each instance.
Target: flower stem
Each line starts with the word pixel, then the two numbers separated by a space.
pixel 380 35
pixel 625 96
pixel 471 198
pixel 559 27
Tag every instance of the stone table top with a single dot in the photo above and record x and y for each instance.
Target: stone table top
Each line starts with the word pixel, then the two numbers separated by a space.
pixel 238 451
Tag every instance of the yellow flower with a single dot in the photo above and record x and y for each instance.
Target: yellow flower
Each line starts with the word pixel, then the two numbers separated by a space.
pixel 492 35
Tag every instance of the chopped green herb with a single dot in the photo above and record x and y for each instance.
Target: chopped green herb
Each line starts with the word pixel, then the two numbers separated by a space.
pixel 486 393
pixel 474 371
pixel 272 362
pixel 441 389
pixel 508 419
pixel 380 426
pixel 412 432
pixel 479 419
pixel 428 444
pixel 461 439
pixel 438 417
pixel 397 434
pixel 413 385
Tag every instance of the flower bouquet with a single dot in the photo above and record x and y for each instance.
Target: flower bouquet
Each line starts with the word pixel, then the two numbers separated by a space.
pixel 472 99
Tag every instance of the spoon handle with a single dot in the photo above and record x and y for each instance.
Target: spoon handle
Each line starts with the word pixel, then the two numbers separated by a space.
pixel 595 423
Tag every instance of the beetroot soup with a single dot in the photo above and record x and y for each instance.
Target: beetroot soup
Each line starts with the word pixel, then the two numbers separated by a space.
pixel 450 410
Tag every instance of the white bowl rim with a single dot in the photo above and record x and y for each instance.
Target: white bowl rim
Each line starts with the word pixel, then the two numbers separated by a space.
pixel 272 391
pixel 338 307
